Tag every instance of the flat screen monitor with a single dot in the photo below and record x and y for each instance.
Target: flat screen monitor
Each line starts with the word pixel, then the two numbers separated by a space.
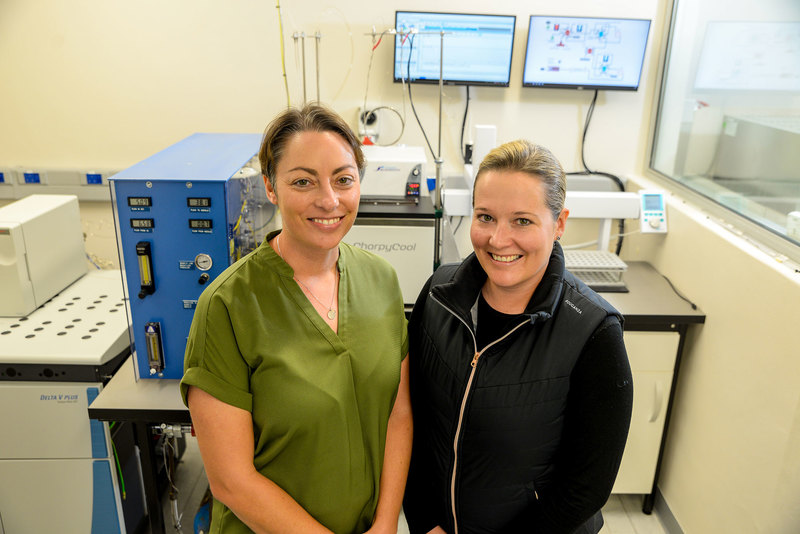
pixel 749 56
pixel 477 48
pixel 585 53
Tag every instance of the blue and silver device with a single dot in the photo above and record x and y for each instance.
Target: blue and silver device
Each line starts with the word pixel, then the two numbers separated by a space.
pixel 182 216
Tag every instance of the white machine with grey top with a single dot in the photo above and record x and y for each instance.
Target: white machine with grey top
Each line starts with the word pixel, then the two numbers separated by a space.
pixel 57 466
pixel 396 218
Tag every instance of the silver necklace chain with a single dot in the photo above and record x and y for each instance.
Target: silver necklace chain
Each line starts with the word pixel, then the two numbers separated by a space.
pixel 331 312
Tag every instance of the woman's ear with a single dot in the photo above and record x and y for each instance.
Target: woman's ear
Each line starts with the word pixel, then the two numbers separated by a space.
pixel 561 223
pixel 271 196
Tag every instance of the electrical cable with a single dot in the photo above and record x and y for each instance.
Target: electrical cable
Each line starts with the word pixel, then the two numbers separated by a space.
pixel 119 472
pixel 463 125
pixel 586 129
pixel 283 52
pixel 692 304
pixel 366 113
pixel 460 220
pixel 169 468
pixel 274 211
pixel 411 100
pixel 91 260
pixel 352 51
pixel 586 171
pixel 402 124
pixel 402 78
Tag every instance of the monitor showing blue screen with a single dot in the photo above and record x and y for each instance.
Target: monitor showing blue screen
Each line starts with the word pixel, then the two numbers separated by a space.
pixel 477 48
pixel 585 53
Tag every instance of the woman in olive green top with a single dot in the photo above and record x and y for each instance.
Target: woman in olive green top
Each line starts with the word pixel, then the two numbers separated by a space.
pixel 295 373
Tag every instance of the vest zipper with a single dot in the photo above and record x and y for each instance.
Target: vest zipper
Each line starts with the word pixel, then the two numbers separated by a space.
pixel 474 365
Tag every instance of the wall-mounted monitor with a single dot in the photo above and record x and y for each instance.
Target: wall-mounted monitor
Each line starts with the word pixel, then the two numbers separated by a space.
pixel 585 53
pixel 477 48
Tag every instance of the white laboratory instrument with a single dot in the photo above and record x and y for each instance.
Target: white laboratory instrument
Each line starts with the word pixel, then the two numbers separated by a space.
pixel 600 269
pixel 403 234
pixel 57 466
pixel 654 212
pixel 393 171
pixel 396 219
pixel 41 251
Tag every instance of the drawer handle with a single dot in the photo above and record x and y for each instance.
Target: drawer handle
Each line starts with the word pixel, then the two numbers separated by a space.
pixel 658 401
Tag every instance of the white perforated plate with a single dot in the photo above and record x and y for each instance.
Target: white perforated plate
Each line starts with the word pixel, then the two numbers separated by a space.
pixel 597 268
pixel 593 260
pixel 84 324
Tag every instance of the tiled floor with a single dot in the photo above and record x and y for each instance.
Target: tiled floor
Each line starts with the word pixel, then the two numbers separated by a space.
pixel 623 513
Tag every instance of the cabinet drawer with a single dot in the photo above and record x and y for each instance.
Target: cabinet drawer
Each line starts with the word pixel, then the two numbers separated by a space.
pixel 651 351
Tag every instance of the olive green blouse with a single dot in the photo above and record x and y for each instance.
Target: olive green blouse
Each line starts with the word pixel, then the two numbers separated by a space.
pixel 320 400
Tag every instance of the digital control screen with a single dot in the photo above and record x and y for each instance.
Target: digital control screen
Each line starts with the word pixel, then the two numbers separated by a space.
pixel 198 202
pixel 142 223
pixel 200 224
pixel 652 202
pixel 140 202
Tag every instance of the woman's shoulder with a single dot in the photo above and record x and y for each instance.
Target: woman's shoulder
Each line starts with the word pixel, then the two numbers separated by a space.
pixel 588 296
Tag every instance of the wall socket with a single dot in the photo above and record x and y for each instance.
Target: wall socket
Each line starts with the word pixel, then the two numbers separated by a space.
pixel 89 184
pixel 33 177
pixel 367 124
pixel 7 176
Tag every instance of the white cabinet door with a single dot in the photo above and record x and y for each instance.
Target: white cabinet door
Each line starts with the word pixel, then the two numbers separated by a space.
pixel 652 356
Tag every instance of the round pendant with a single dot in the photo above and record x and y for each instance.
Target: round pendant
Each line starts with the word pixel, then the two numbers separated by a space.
pixel 331 314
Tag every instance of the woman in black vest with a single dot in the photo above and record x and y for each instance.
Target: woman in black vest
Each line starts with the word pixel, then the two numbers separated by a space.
pixel 520 383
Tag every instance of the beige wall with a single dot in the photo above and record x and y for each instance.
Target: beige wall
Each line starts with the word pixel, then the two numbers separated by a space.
pixel 732 460
pixel 104 84
pixel 107 83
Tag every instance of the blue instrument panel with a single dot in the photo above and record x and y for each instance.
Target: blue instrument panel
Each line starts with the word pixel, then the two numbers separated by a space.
pixel 179 219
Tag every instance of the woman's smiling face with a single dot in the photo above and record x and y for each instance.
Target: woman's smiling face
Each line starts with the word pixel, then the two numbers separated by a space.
pixel 316 189
pixel 513 230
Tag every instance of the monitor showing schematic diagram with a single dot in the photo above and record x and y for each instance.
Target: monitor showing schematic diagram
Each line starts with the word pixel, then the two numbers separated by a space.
pixel 477 48
pixel 585 53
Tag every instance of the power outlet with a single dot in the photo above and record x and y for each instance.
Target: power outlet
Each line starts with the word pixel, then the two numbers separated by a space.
pixel 367 124
pixel 7 176
pixel 32 177
pixel 93 178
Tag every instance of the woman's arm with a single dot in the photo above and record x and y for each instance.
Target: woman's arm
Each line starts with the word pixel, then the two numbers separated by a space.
pixel 596 423
pixel 226 443
pixel 395 459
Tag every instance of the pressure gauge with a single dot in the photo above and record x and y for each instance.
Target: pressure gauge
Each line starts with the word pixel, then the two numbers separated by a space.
pixel 203 261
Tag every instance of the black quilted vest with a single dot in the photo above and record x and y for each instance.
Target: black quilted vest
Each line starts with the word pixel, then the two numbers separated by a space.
pixel 506 420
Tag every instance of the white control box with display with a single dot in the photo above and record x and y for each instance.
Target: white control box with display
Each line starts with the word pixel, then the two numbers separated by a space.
pixel 654 212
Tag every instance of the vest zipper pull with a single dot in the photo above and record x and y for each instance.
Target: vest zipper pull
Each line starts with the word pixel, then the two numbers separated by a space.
pixel 475 359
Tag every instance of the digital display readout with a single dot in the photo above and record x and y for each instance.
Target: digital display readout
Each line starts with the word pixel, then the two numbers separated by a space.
pixel 198 202
pixel 142 223
pixel 140 202
pixel 200 224
pixel 652 202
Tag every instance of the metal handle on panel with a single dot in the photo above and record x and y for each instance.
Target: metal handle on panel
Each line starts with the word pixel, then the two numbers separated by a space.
pixel 658 400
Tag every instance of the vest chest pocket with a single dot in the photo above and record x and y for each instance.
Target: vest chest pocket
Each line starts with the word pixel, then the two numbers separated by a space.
pixel 536 394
